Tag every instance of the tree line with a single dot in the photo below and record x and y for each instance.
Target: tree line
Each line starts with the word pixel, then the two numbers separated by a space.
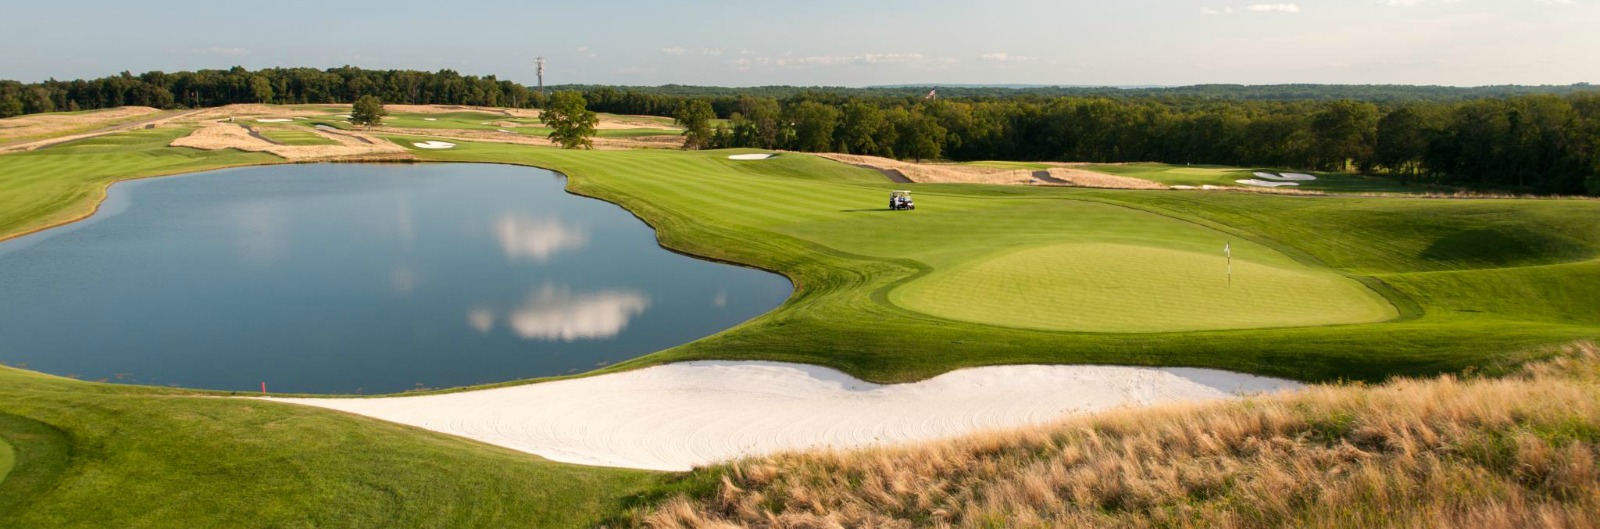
pixel 1536 143
pixel 1532 139
pixel 207 88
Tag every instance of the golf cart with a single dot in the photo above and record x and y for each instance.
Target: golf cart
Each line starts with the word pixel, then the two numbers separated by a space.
pixel 899 200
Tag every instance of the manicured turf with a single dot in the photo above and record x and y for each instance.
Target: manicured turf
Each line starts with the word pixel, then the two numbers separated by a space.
pixel 1198 175
pixel 94 455
pixel 1106 287
pixel 296 137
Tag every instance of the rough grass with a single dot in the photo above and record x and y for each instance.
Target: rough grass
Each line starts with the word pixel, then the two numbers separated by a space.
pixel 1103 287
pixel 47 125
pixel 1510 452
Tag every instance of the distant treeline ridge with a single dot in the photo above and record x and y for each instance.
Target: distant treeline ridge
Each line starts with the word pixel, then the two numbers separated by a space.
pixel 1543 139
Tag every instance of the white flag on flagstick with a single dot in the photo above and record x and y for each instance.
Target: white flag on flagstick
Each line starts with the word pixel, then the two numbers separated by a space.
pixel 1227 249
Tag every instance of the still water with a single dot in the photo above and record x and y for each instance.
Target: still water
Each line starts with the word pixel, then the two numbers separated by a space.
pixel 354 278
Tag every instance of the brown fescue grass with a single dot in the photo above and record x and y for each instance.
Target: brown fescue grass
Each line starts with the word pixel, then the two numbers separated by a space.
pixel 938 173
pixel 352 145
pixel 1086 178
pixel 49 124
pixel 1511 452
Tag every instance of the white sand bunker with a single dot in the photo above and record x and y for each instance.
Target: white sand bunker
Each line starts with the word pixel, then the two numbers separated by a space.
pixel 1285 177
pixel 430 119
pixel 762 156
pixel 1265 183
pixel 677 416
pixel 275 120
pixel 434 145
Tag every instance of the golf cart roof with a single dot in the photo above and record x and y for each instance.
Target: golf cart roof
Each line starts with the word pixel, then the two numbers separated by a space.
pixel 899 192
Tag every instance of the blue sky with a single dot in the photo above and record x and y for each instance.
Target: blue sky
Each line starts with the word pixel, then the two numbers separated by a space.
pixel 828 42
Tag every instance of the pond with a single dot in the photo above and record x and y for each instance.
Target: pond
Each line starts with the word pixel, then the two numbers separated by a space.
pixel 350 278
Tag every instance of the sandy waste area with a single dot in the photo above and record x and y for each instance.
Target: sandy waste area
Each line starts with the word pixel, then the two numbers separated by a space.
pixel 677 416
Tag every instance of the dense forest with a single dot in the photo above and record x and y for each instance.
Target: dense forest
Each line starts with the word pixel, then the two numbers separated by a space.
pixel 1532 139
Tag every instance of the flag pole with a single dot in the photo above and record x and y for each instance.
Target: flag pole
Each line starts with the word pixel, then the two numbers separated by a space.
pixel 1227 248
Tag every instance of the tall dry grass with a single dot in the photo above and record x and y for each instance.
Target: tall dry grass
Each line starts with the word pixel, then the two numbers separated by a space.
pixel 1511 452
pixel 938 173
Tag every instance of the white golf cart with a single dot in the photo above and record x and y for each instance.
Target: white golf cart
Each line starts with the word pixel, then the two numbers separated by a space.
pixel 899 200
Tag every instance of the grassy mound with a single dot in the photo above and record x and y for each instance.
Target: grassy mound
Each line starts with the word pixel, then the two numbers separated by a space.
pixel 97 455
pixel 1124 288
pixel 1514 452
pixel 8 459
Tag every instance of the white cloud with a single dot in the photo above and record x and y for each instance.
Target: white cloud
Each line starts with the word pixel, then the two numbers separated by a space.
pixel 712 52
pixel 1274 8
pixel 1215 11
pixel 1003 57
pixel 673 50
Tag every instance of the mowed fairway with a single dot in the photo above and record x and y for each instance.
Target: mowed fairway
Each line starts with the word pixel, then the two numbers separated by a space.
pixel 1101 287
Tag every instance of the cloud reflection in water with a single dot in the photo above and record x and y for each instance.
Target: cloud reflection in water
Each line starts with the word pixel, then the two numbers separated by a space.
pixel 525 238
pixel 555 313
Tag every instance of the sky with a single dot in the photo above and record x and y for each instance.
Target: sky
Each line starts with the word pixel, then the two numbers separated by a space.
pixel 828 42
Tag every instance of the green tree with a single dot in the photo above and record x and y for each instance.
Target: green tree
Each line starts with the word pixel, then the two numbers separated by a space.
pixel 862 127
pixel 1402 141
pixel 10 105
pixel 695 117
pixel 1343 131
pixel 918 135
pixel 367 111
pixel 813 126
pixel 570 121
pixel 261 89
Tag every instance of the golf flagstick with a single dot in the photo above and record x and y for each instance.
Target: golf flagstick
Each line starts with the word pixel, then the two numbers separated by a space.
pixel 1227 249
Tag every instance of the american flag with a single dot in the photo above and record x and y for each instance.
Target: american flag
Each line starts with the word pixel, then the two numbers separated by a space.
pixel 931 94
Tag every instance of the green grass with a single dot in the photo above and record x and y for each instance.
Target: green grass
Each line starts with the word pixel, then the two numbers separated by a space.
pixel 888 296
pixel 1198 175
pixel 1111 287
pixel 94 455
pixel 8 459
pixel 296 137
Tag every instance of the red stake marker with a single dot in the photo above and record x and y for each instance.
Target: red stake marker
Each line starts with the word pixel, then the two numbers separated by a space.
pixel 263 388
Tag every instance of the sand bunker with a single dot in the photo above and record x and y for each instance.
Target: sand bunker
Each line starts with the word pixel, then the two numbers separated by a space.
pixel 217 135
pixel 275 120
pixel 677 416
pixel 762 156
pixel 434 145
pixel 1264 183
pixel 1285 178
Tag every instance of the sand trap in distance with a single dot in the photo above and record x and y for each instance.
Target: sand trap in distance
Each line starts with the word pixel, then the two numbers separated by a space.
pixel 274 120
pixel 676 416
pixel 1264 183
pixel 762 156
pixel 434 145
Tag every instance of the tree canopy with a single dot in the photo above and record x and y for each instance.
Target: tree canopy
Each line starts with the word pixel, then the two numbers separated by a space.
pixel 571 123
pixel 367 111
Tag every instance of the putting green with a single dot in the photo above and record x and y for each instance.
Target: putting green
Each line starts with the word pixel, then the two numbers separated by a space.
pixel 1107 287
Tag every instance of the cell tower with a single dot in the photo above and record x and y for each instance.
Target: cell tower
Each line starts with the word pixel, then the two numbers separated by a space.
pixel 541 76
